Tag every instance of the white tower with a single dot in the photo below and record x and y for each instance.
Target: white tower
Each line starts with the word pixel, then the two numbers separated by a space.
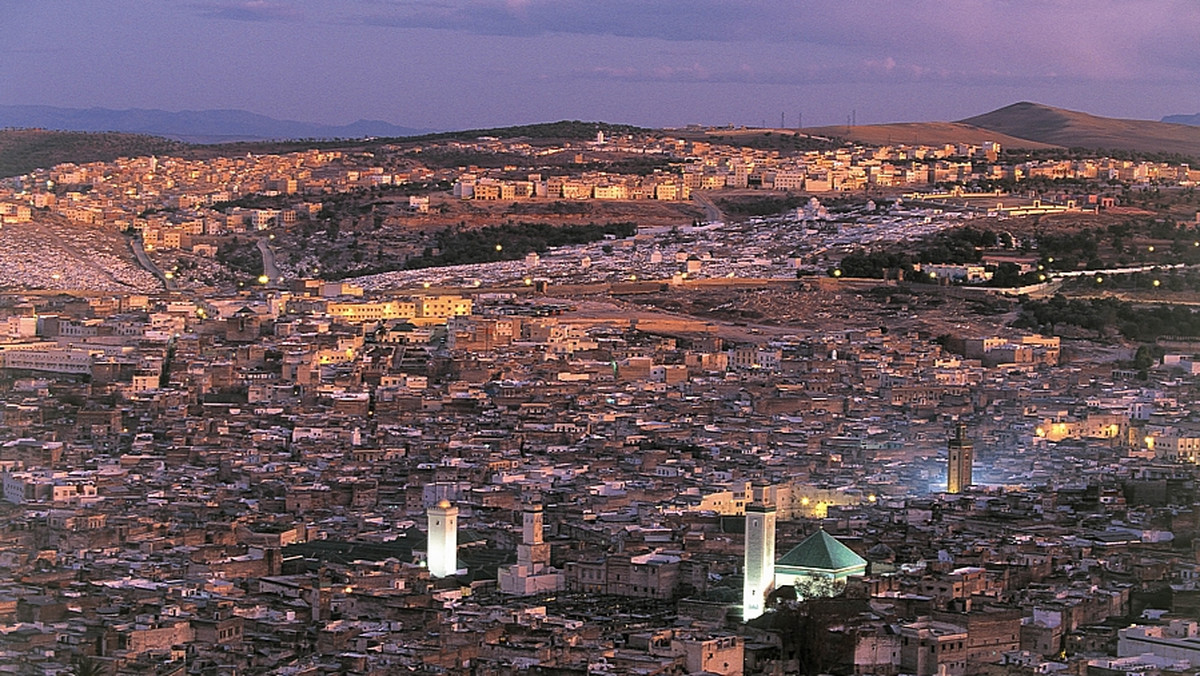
pixel 442 551
pixel 533 552
pixel 760 560
pixel 532 573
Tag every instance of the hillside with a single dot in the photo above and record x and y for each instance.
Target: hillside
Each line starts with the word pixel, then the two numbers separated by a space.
pixel 925 133
pixel 23 150
pixel 1074 129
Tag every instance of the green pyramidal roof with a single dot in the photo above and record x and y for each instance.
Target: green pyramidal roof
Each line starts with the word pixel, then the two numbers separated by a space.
pixel 823 552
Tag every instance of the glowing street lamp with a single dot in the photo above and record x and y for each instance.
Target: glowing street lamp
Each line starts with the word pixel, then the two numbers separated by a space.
pixel 263 279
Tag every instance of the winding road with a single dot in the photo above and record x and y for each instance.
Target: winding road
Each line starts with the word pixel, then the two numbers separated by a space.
pixel 711 212
pixel 270 269
pixel 140 252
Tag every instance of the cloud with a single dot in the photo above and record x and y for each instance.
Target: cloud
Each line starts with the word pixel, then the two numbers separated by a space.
pixel 886 70
pixel 1100 39
pixel 704 20
pixel 249 10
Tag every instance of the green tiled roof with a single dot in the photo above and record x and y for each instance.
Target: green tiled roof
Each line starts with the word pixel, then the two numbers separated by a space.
pixel 821 551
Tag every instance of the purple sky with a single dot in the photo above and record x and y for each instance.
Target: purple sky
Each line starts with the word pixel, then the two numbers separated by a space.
pixel 452 64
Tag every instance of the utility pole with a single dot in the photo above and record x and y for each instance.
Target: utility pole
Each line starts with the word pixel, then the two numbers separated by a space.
pixel 799 120
pixel 853 117
pixel 781 120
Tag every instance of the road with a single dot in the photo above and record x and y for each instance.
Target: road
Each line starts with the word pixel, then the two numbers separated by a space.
pixel 140 252
pixel 711 212
pixel 270 269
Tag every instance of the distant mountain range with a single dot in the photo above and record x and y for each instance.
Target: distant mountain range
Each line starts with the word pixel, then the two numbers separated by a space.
pixel 1193 120
pixel 192 126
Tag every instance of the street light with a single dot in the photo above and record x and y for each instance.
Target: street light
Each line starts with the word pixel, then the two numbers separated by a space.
pixel 263 279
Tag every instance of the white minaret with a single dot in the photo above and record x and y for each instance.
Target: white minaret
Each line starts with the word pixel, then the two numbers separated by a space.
pixel 442 551
pixel 533 552
pixel 760 559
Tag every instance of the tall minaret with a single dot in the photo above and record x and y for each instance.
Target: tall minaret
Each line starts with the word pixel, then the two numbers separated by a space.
pixel 962 452
pixel 760 559
pixel 532 552
pixel 442 552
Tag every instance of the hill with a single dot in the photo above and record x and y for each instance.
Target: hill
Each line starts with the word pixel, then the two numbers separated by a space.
pixel 925 133
pixel 23 150
pixel 194 126
pixel 1073 129
pixel 563 129
pixel 1193 120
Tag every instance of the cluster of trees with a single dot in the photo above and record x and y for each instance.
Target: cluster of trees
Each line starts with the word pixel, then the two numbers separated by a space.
pixel 1168 281
pixel 767 205
pixel 242 256
pixel 511 241
pixel 875 264
pixel 1104 315
pixel 23 150
pixel 952 247
pixel 961 245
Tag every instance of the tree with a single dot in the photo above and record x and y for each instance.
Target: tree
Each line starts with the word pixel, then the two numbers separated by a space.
pixel 82 665
pixel 806 634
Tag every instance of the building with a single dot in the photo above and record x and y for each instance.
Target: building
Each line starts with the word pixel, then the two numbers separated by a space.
pixel 818 566
pixel 442 551
pixel 962 455
pixel 759 566
pixel 531 574
pixel 1177 640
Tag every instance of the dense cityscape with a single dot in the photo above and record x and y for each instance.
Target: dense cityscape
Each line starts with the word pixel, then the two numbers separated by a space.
pixel 739 411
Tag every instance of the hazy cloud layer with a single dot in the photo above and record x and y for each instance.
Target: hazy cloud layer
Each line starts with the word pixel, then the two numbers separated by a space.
pixel 251 10
pixel 447 63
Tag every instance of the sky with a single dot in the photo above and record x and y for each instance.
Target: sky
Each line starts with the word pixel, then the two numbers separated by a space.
pixel 457 64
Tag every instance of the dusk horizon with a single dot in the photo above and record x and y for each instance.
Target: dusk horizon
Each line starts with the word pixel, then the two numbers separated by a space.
pixel 489 64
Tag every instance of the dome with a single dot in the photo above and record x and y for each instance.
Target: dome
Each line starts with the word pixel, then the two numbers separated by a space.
pixel 443 504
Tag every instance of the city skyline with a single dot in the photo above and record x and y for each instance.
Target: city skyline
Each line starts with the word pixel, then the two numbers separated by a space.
pixel 456 65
